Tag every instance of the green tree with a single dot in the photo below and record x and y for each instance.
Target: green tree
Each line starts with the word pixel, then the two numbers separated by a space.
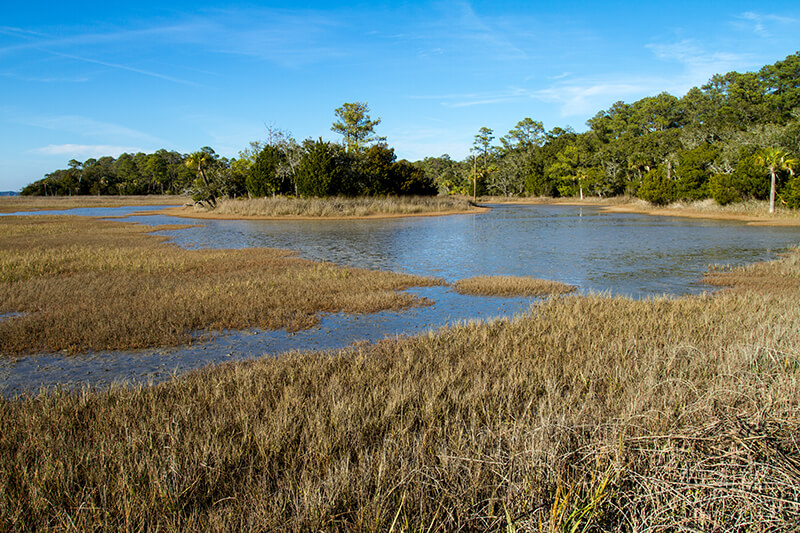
pixel 356 126
pixel 657 187
pixel 694 171
pixel 202 162
pixel 263 176
pixel 322 169
pixel 482 144
pixel 775 161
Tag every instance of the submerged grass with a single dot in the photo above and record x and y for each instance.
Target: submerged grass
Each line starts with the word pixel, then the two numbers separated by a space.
pixel 510 286
pixel 590 413
pixel 82 284
pixel 341 206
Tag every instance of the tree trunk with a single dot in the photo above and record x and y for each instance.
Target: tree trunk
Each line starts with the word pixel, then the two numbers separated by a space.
pixel 772 191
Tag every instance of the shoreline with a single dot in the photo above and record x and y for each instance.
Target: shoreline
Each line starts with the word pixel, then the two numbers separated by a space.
pixel 181 212
pixel 167 206
pixel 617 206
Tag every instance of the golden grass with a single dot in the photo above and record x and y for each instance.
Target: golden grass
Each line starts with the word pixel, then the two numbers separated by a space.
pixel 510 286
pixel 83 284
pixel 11 204
pixel 588 414
pixel 340 207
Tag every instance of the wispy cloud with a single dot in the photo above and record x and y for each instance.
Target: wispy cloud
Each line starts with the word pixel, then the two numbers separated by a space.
pixel 454 28
pixel 87 127
pixel 699 64
pixel 84 150
pixel 286 37
pixel 123 67
pixel 44 79
pixel 763 25
pixel 458 100
pixel 581 99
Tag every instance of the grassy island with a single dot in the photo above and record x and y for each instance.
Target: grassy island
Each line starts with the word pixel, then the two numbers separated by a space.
pixel 510 286
pixel 333 207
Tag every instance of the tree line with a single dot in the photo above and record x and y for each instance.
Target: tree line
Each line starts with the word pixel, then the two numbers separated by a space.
pixel 362 165
pixel 728 140
pixel 735 138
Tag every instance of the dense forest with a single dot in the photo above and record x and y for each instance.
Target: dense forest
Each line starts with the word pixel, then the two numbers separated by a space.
pixel 735 138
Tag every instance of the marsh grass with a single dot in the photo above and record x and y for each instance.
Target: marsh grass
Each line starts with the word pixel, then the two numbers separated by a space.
pixel 11 204
pixel 590 413
pixel 81 284
pixel 510 286
pixel 282 206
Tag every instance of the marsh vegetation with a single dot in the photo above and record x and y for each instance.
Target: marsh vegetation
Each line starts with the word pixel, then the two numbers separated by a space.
pixel 341 206
pixel 511 286
pixel 589 412
pixel 82 284
pixel 12 204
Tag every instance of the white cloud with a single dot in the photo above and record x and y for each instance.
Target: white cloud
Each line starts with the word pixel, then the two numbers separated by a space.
pixel 84 151
pixel 699 64
pixel 575 99
pixel 763 25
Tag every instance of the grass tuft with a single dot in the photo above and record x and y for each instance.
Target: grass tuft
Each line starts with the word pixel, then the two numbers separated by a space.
pixel 510 286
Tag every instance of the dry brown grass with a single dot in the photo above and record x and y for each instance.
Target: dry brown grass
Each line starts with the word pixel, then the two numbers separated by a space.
pixel 83 284
pixel 772 277
pixel 12 204
pixel 510 286
pixel 340 207
pixel 589 414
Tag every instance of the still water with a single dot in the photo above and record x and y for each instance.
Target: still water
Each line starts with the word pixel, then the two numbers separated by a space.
pixel 624 254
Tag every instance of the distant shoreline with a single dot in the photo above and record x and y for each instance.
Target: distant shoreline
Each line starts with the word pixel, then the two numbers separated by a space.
pixel 700 210
pixel 623 205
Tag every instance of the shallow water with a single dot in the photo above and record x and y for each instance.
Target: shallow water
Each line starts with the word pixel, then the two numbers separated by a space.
pixel 624 254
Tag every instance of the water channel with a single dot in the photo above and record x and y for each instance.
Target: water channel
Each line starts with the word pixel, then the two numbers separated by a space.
pixel 623 254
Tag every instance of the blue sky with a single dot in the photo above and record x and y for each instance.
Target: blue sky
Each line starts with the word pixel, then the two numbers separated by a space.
pixel 91 79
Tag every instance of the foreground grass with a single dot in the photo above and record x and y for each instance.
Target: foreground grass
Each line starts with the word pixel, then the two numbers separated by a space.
pixel 340 206
pixel 12 204
pixel 510 286
pixel 590 413
pixel 83 284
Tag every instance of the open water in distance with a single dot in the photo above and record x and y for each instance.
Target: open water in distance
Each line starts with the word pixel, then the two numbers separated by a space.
pixel 626 254
pixel 623 254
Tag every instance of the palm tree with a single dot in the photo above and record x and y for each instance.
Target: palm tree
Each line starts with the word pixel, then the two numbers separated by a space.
pixel 199 162
pixel 775 160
